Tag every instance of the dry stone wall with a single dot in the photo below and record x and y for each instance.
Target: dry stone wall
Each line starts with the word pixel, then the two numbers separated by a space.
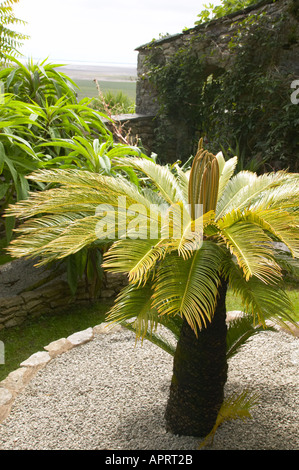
pixel 139 127
pixel 18 305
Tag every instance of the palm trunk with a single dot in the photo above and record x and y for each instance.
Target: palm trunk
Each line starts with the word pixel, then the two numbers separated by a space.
pixel 199 376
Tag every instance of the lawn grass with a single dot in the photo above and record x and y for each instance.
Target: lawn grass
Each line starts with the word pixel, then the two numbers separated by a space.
pixel 22 341
pixel 4 257
pixel 234 303
pixel 34 334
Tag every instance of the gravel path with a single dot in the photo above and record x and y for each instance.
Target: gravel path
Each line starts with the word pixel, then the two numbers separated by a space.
pixel 107 394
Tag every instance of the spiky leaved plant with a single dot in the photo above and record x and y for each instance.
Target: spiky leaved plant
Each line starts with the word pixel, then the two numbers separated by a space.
pixel 183 277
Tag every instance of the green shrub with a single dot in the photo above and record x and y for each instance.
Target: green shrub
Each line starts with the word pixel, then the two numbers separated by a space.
pixel 43 126
pixel 118 103
pixel 37 83
pixel 226 7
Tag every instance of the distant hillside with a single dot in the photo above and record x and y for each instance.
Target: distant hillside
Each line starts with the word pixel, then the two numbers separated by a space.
pixel 114 78
pixel 100 72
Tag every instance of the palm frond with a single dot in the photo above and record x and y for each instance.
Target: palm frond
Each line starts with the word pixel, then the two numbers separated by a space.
pixel 262 302
pixel 108 189
pixel 135 257
pixel 245 188
pixel 130 301
pixel 54 237
pixel 160 340
pixel 226 169
pixel 71 216
pixel 135 303
pixel 183 182
pixel 239 332
pixel 190 234
pixel 133 310
pixel 287 262
pixel 281 224
pixel 233 407
pixel 188 287
pixel 281 196
pixel 250 244
pixel 160 176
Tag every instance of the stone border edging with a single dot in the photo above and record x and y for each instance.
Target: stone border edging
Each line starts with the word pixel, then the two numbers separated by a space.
pixel 17 380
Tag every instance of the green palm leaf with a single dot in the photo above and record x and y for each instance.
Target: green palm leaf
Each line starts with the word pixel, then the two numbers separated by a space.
pixel 94 189
pixel 249 243
pixel 239 331
pixel 161 176
pixel 135 257
pixel 281 224
pixel 190 234
pixel 183 182
pixel 134 303
pixel 133 310
pixel 233 407
pixel 261 301
pixel 55 237
pixel 284 196
pixel 226 169
pixel 245 188
pixel 189 287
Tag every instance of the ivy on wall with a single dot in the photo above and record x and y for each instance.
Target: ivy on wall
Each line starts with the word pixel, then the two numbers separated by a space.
pixel 245 109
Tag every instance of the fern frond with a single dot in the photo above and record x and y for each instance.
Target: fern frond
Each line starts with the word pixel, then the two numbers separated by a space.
pixel 239 331
pixel 233 407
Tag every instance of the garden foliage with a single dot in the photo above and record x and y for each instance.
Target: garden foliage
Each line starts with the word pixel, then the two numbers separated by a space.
pixel 176 280
pixel 42 125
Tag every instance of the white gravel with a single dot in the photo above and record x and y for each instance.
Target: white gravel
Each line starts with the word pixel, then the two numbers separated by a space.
pixel 107 394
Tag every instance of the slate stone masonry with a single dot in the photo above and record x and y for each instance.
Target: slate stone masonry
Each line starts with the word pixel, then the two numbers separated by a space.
pixel 18 305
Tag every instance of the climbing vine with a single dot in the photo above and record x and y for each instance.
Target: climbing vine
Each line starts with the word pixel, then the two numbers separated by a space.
pixel 246 108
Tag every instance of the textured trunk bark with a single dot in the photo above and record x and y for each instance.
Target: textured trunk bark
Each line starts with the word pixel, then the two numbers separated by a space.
pixel 199 375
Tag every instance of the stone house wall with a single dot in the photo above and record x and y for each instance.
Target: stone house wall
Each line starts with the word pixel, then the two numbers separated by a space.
pixel 210 42
pixel 139 127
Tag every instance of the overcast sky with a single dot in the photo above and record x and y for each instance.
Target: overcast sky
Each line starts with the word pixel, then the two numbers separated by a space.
pixel 100 31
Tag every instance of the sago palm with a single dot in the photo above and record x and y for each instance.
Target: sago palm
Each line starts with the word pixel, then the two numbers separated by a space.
pixel 182 237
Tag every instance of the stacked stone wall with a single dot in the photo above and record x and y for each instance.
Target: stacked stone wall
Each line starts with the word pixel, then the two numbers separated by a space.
pixel 18 306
